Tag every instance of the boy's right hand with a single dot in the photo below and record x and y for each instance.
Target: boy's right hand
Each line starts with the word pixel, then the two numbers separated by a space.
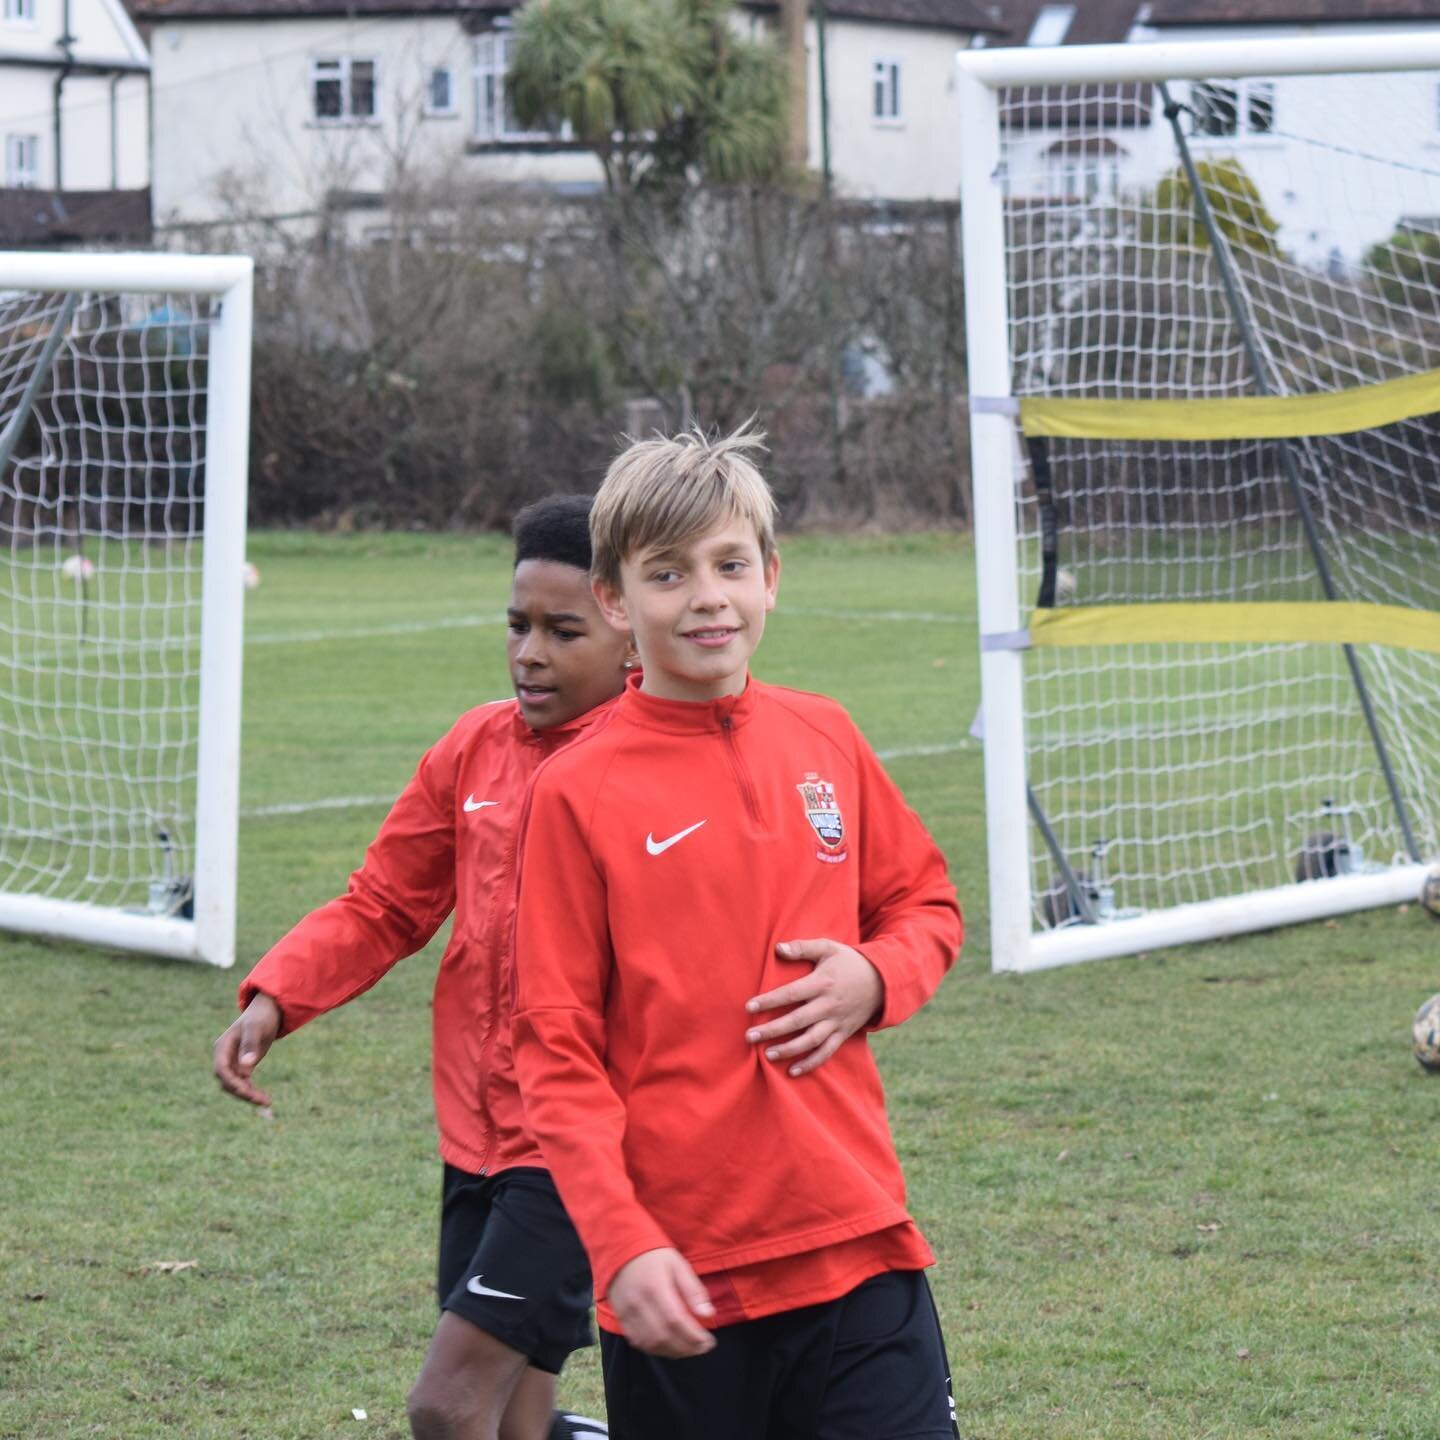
pixel 242 1047
pixel 656 1297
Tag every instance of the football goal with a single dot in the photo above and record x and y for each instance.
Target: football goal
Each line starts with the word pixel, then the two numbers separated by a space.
pixel 124 419
pixel 1203 289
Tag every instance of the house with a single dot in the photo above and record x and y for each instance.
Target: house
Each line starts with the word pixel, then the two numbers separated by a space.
pixel 74 83
pixel 279 108
pixel 1318 190
pixel 1330 202
pixel 893 119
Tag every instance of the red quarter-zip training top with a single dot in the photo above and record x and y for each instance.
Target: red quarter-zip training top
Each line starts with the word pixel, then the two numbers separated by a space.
pixel 665 854
pixel 448 843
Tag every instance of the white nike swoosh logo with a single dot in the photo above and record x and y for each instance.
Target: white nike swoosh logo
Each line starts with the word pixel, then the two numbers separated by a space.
pixel 473 1284
pixel 471 803
pixel 659 847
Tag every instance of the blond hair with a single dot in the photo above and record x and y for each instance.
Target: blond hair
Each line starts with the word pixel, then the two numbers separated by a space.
pixel 662 492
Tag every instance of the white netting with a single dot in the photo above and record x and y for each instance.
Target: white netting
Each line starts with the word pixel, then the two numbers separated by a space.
pixel 102 411
pixel 1205 767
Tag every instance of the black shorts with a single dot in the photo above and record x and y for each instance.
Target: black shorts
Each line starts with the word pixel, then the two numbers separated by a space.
pixel 512 1264
pixel 868 1366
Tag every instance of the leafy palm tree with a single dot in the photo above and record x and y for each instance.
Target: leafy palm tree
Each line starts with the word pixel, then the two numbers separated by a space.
pixel 661 90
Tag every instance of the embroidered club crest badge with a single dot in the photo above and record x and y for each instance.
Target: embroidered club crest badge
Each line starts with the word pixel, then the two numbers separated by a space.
pixel 822 810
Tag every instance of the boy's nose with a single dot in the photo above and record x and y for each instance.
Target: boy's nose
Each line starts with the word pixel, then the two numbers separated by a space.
pixel 706 596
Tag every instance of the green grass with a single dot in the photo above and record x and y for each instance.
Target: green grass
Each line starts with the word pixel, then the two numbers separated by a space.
pixel 1180 1195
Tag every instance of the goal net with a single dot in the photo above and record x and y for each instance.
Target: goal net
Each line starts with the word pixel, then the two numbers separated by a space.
pixel 124 397
pixel 1204 286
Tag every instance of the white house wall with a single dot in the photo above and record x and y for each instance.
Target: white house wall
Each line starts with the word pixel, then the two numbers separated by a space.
pixel 915 157
pixel 235 130
pixel 1334 202
pixel 1331 201
pixel 106 145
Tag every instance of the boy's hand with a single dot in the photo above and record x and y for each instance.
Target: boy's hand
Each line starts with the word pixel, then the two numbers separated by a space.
pixel 242 1047
pixel 839 996
pixel 656 1297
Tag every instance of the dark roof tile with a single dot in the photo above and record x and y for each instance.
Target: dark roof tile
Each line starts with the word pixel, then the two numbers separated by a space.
pixel 966 15
pixel 1169 13
pixel 37 219
pixel 1096 22
pixel 157 11
pixel 962 15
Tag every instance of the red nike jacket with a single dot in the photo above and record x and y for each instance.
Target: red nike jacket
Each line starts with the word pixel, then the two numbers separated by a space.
pixel 666 854
pixel 448 843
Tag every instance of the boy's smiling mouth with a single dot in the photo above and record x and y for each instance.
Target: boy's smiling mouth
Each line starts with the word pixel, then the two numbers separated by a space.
pixel 712 637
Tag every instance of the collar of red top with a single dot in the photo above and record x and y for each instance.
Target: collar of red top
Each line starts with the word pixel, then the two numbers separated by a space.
pixel 553 736
pixel 688 717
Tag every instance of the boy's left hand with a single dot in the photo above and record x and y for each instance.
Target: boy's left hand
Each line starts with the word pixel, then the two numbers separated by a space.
pixel 839 996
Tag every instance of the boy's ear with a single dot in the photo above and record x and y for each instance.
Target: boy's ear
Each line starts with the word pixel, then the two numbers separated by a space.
pixel 772 580
pixel 611 603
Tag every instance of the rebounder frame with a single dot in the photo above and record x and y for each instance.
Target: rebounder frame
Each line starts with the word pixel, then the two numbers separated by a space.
pixel 996 468
pixel 210 936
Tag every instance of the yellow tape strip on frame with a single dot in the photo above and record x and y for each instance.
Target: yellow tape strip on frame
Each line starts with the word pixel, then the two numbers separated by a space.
pixel 1247 417
pixel 1333 622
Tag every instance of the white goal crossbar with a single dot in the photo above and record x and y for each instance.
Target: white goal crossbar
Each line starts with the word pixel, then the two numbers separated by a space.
pixel 175 330
pixel 1029 246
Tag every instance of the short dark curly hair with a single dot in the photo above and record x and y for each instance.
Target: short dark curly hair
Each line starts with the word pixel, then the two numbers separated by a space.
pixel 555 528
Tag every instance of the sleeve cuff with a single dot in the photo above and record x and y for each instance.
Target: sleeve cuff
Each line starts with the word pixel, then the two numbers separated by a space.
pixel 641 1236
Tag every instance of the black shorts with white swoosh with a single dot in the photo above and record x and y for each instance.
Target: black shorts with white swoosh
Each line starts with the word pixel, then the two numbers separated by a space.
pixel 512 1264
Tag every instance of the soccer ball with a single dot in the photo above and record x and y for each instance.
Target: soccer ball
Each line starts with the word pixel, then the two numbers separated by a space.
pixel 251 575
pixel 1065 585
pixel 1425 1034
pixel 78 568
pixel 1430 893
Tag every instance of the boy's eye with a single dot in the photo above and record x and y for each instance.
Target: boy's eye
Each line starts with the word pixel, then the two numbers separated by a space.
pixel 518 627
pixel 568 634
pixel 664 577
pixel 732 567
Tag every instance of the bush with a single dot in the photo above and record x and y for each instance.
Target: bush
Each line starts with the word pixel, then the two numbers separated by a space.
pixel 1407 265
pixel 1234 200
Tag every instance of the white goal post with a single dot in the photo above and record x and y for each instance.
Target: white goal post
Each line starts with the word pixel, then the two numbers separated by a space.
pixel 1203 321
pixel 124 435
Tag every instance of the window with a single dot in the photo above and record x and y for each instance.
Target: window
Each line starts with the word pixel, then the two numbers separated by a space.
pixel 1243 107
pixel 440 91
pixel 495 117
pixel 1086 178
pixel 344 90
pixel 1051 25
pixel 21 12
pixel 885 90
pixel 22 161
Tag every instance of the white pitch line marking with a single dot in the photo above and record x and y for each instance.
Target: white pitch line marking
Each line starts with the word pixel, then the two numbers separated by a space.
pixel 357 802
pixel 157 644
pixel 909 752
pixel 304 807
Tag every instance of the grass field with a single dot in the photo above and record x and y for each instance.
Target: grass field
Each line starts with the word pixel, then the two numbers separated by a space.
pixel 1181 1195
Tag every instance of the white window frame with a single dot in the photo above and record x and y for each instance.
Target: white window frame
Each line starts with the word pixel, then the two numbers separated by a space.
pixel 492 108
pixel 1051 25
pixel 342 68
pixel 1082 178
pixel 451 107
pixel 887 90
pixel 22 162
pixel 18 12
pixel 1247 93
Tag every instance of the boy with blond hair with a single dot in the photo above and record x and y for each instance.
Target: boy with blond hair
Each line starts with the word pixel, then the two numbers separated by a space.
pixel 711 837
